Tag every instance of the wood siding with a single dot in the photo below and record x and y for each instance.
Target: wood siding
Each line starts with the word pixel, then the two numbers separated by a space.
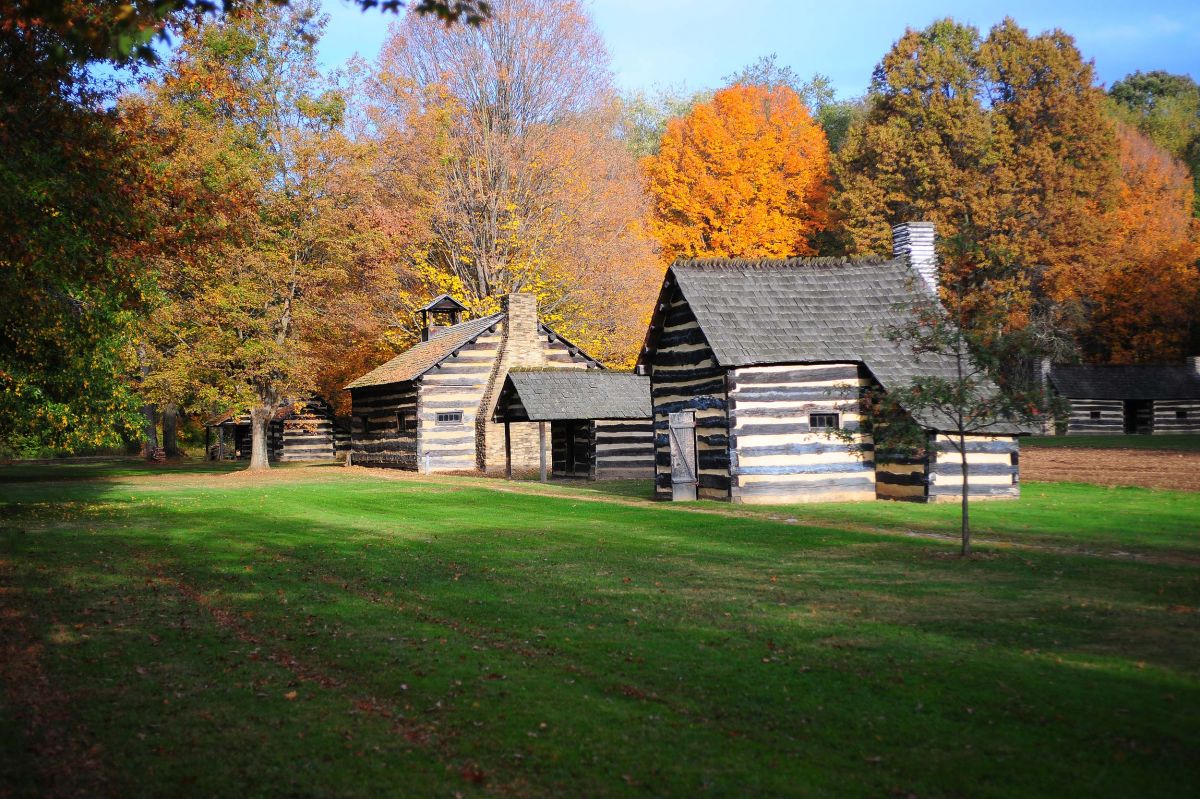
pixel 1167 416
pixel 456 385
pixel 684 375
pixel 992 468
pixel 775 456
pixel 383 444
pixel 623 449
pixel 901 478
pixel 1110 417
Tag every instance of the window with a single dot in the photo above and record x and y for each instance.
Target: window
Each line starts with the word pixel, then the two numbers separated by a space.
pixel 453 417
pixel 407 422
pixel 1095 416
pixel 823 421
pixel 367 426
pixel 1181 415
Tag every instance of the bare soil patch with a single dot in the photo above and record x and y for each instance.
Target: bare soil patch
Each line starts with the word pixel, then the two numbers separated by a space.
pixel 1113 467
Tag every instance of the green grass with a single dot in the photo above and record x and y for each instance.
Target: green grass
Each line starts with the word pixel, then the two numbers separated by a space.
pixel 468 636
pixel 1169 443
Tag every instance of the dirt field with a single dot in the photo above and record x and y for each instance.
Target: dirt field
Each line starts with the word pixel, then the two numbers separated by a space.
pixel 1113 467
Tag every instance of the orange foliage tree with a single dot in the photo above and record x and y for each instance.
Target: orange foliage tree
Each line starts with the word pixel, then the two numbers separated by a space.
pixel 744 175
pixel 1146 293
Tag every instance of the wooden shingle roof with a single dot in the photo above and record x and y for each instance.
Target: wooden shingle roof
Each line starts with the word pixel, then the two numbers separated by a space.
pixel 421 357
pixel 812 310
pixel 551 394
pixel 1126 382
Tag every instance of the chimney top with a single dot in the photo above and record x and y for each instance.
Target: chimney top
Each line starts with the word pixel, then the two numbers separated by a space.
pixel 916 243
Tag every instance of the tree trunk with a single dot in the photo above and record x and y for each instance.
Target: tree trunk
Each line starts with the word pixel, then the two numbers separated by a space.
pixel 150 430
pixel 260 417
pixel 966 512
pixel 171 430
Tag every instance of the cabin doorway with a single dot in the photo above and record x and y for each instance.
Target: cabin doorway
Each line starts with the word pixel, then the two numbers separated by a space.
pixel 1139 416
pixel 682 429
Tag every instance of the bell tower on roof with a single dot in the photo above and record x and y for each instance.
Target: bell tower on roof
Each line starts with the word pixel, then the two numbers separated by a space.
pixel 439 313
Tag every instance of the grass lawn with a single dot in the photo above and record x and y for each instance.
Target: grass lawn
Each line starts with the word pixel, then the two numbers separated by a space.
pixel 1173 443
pixel 325 632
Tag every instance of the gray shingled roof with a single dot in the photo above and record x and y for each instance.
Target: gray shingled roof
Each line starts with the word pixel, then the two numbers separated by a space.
pixel 549 394
pixel 1126 382
pixel 420 358
pixel 812 310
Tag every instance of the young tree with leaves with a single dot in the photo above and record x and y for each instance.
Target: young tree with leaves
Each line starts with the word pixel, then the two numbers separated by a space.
pixel 745 175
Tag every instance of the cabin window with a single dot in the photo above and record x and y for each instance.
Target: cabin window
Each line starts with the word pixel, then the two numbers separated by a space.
pixel 1095 416
pixel 1181 415
pixel 823 421
pixel 407 422
pixel 452 417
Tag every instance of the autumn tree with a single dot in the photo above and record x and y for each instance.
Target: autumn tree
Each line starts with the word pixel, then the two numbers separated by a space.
pixel 1002 142
pixel 1166 108
pixel 745 175
pixel 1144 298
pixel 537 191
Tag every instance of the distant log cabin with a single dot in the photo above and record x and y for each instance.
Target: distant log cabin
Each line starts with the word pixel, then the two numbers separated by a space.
pixel 300 431
pixel 754 365
pixel 431 408
pixel 592 424
pixel 1115 400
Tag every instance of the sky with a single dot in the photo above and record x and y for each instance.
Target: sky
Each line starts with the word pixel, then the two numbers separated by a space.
pixel 695 43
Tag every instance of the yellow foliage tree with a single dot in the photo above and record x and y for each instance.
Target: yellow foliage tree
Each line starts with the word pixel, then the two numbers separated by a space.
pixel 744 175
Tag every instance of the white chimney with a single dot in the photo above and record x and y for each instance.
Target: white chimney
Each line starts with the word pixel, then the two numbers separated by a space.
pixel 914 241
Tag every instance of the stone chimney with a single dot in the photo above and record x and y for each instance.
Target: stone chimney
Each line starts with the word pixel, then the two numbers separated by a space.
pixel 1193 363
pixel 914 241
pixel 522 346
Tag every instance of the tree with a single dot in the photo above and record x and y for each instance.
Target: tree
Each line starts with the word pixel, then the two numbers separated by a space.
pixel 278 263
pixel 1166 108
pixel 644 115
pixel 1144 299
pixel 745 175
pixel 970 398
pixel 538 192
pixel 1001 141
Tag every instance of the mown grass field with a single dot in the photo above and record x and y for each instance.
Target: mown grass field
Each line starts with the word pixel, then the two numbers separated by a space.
pixel 328 632
pixel 1167 443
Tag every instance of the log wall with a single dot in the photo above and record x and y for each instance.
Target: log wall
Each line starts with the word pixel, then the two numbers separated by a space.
pixel 375 437
pixel 571 448
pixel 684 375
pixel 622 449
pixel 1167 419
pixel 458 384
pixel 776 456
pixel 901 478
pixel 1110 417
pixel 992 468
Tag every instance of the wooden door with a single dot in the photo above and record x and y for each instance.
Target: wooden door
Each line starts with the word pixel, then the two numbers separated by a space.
pixel 682 427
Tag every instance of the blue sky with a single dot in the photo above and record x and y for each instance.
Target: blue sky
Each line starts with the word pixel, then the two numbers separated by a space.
pixel 695 43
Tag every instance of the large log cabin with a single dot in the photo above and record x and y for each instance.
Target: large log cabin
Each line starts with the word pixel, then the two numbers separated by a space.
pixel 592 424
pixel 1115 400
pixel 430 409
pixel 754 364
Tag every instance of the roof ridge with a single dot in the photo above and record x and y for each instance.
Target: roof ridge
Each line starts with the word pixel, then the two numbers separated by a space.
pixel 777 263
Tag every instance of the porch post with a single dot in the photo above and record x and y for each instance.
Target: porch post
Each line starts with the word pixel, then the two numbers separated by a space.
pixel 542 448
pixel 507 451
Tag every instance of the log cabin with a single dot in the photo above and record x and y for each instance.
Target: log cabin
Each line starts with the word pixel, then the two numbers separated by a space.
pixel 303 430
pixel 592 424
pixel 431 408
pixel 1115 400
pixel 757 368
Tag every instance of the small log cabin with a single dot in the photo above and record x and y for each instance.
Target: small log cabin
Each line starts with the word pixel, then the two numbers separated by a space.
pixel 754 364
pixel 1115 400
pixel 600 425
pixel 300 431
pixel 431 408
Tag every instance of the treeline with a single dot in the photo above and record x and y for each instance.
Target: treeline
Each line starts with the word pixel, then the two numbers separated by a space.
pixel 240 229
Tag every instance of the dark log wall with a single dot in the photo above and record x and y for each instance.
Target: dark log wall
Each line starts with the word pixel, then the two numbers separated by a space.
pixel 684 375
pixel 308 435
pixel 623 449
pixel 571 448
pixel 376 439
pixel 1176 416
pixel 901 478
pixel 776 456
pixel 992 468
pixel 1092 416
